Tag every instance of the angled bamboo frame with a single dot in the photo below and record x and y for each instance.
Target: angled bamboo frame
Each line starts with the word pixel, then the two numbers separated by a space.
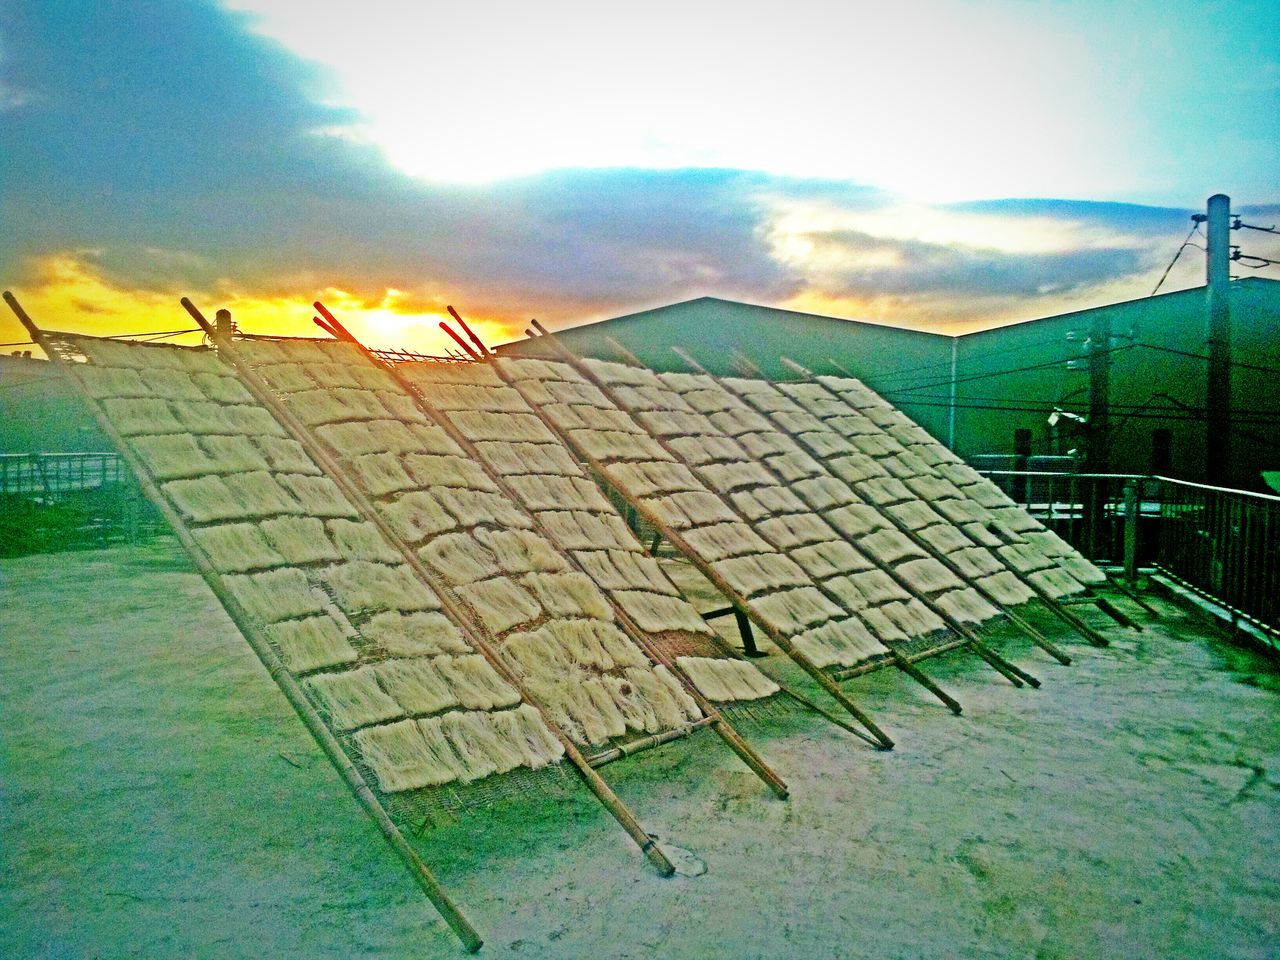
pixel 723 728
pixel 904 662
pixel 1034 635
pixel 265 395
pixel 965 630
pixel 1055 606
pixel 907 664
pixel 735 598
pixel 324 738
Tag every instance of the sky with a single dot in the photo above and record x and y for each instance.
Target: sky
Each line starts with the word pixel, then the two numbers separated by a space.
pixel 939 164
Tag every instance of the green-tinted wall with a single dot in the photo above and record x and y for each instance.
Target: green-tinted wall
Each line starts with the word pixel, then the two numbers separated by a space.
pixel 1149 389
pixel 712 330
pixel 40 412
pixel 913 369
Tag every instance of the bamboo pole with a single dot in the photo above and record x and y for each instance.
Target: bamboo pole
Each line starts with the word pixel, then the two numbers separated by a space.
pixel 258 387
pixel 864 668
pixel 1089 633
pixel 470 351
pixel 632 747
pixel 252 633
pixel 484 351
pixel 1132 594
pixel 723 728
pixel 674 537
pixel 324 326
pixel 1112 611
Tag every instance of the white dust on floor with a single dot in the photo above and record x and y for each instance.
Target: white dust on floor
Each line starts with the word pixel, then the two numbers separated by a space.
pixel 158 799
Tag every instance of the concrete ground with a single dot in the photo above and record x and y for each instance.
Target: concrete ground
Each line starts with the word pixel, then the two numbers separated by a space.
pixel 159 799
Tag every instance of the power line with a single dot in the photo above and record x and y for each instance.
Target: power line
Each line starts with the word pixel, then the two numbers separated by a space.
pixel 1240 258
pixel 1239 224
pixel 1012 370
pixel 152 338
pixel 1201 356
pixel 906 391
pixel 943 364
pixel 150 334
pixel 1184 414
pixel 1048 406
pixel 1195 228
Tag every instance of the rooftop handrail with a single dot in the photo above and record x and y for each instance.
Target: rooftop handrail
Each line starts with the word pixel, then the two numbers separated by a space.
pixel 1191 484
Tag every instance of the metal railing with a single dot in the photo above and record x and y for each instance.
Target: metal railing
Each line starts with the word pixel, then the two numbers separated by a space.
pixel 1221 543
pixel 1086 509
pixel 60 501
pixel 1226 544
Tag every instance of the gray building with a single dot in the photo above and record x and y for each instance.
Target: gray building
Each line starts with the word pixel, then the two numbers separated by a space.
pixel 995 391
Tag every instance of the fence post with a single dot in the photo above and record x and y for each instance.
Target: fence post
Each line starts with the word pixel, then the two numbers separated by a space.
pixel 1131 533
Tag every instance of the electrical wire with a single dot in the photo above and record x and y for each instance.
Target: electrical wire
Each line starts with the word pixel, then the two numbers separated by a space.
pixel 909 392
pixel 151 334
pixel 1002 373
pixel 1195 228
pixel 1048 406
pixel 968 358
pixel 1239 224
pixel 1187 414
pixel 1200 356
pixel 1240 258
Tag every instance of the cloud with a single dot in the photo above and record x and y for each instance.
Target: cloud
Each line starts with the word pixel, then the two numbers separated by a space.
pixel 158 148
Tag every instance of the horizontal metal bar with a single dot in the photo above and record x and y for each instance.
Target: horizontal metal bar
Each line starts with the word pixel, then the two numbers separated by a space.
pixel 1063 474
pixel 1189 484
pixel 719 612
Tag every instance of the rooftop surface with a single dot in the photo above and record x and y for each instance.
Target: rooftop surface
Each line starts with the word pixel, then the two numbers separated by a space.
pixel 158 798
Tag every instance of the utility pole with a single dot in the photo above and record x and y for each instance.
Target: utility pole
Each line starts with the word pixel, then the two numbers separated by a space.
pixel 1097 455
pixel 1218 314
pixel 951 418
pixel 222 326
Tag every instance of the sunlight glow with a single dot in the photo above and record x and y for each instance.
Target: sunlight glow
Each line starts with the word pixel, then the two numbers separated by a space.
pixel 67 293
pixel 934 99
pixel 794 225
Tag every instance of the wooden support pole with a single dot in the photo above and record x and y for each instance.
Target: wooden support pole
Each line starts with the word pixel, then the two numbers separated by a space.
pixel 673 536
pixel 745 364
pixel 259 388
pixel 722 727
pixel 325 327
pixel 1116 614
pixel 744 631
pixel 1058 609
pixel 1125 590
pixel 1034 635
pixel 860 669
pixel 467 348
pixel 922 678
pixel 1016 674
pixel 618 348
pixel 257 641
pixel 484 351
